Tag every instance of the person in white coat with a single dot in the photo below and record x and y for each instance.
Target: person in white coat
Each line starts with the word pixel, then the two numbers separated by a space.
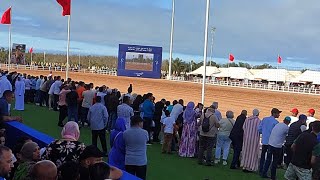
pixel 19 94
pixel 4 84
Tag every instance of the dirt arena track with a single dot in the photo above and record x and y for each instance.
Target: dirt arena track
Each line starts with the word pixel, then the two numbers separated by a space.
pixel 229 98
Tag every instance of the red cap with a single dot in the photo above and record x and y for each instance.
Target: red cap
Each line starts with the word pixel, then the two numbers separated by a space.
pixel 312 111
pixel 295 111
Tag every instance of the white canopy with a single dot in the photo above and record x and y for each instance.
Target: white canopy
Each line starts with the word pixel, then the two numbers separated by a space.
pixel 235 73
pixel 278 75
pixel 210 70
pixel 309 76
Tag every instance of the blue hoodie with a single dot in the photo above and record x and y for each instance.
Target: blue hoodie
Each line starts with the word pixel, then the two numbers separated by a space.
pixel 117 152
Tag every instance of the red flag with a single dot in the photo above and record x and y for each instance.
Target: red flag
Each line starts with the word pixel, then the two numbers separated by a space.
pixel 66 6
pixel 6 17
pixel 279 59
pixel 31 50
pixel 231 57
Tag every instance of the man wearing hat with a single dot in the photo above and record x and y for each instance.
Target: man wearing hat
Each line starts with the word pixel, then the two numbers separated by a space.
pixel 276 141
pixel 311 118
pixel 294 115
pixel 265 128
pixel 295 130
pixel 90 156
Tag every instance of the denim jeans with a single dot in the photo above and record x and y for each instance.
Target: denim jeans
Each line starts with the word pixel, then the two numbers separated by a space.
pixel 112 120
pixel 273 154
pixel 73 113
pixel 264 151
pixel 223 143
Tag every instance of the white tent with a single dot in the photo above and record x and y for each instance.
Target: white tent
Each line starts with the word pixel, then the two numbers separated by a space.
pixel 210 70
pixel 235 73
pixel 309 76
pixel 278 75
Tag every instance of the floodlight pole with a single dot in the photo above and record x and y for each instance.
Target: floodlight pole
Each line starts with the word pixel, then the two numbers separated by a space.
pixel 171 39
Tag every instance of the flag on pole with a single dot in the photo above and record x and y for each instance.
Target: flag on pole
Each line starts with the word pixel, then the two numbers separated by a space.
pixel 31 50
pixel 231 57
pixel 6 17
pixel 279 59
pixel 66 7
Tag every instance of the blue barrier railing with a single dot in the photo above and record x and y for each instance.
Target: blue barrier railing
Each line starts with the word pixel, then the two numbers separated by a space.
pixel 15 130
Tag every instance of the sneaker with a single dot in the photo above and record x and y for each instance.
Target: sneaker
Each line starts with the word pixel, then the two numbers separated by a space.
pixel 216 161
pixel 224 163
pixel 148 144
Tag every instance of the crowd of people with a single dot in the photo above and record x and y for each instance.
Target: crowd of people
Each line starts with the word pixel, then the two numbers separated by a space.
pixel 136 121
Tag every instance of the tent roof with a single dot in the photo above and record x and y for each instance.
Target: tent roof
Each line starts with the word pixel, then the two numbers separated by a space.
pixel 272 75
pixel 309 76
pixel 235 73
pixel 210 70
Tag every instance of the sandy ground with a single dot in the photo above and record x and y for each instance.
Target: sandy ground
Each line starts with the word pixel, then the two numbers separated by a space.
pixel 229 98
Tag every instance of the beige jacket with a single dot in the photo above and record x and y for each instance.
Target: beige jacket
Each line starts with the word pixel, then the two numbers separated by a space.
pixel 214 124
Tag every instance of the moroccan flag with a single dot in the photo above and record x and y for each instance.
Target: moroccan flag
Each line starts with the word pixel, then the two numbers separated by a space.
pixel 279 59
pixel 31 50
pixel 6 17
pixel 66 6
pixel 231 58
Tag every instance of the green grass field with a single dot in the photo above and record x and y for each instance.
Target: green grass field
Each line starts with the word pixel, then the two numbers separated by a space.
pixel 160 166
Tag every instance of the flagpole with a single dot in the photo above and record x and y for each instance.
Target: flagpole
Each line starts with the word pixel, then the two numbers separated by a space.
pixel 68 48
pixel 205 51
pixel 44 58
pixel 171 38
pixel 9 55
pixel 79 62
pixel 228 72
pixel 31 60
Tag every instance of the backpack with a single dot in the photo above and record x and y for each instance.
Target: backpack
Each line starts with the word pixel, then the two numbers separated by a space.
pixel 206 124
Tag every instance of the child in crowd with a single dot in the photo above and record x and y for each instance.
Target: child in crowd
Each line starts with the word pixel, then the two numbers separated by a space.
pixel 168 127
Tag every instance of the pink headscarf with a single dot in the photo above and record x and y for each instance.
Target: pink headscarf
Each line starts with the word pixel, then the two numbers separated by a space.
pixel 71 131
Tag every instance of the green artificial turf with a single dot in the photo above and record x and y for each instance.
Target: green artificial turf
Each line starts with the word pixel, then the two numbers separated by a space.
pixel 160 166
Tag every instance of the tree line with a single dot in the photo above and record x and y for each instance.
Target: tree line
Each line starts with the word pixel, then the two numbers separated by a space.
pixel 179 66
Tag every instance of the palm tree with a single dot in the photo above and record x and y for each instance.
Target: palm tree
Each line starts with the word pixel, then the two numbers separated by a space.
pixel 177 66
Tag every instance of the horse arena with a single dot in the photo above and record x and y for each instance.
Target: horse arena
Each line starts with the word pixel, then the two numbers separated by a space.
pixel 229 98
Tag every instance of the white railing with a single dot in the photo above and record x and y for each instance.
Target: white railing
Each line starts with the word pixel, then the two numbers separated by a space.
pixel 266 87
pixel 56 69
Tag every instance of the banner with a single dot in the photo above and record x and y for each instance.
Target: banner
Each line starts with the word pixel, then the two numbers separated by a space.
pixel 139 61
pixel 18 54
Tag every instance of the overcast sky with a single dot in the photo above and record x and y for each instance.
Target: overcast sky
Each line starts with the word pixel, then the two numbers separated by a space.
pixel 254 31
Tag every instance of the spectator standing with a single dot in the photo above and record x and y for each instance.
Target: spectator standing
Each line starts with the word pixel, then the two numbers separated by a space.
pixel 216 111
pixel 294 116
pixel 19 94
pixel 88 96
pixel 251 141
pixel 295 130
pixel 136 140
pixel 56 91
pixel 125 111
pixel 187 147
pixel 63 110
pixel 98 118
pixel 236 136
pixel 72 104
pixel 311 118
pixel 159 106
pixel 169 125
pixel 300 166
pixel 265 128
pixel 207 135
pixel 118 149
pixel 148 112
pixel 223 140
pixel 276 141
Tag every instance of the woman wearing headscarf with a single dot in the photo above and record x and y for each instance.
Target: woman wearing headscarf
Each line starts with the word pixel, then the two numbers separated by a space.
pixel 189 132
pixel 30 154
pixel 117 152
pixel 66 149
